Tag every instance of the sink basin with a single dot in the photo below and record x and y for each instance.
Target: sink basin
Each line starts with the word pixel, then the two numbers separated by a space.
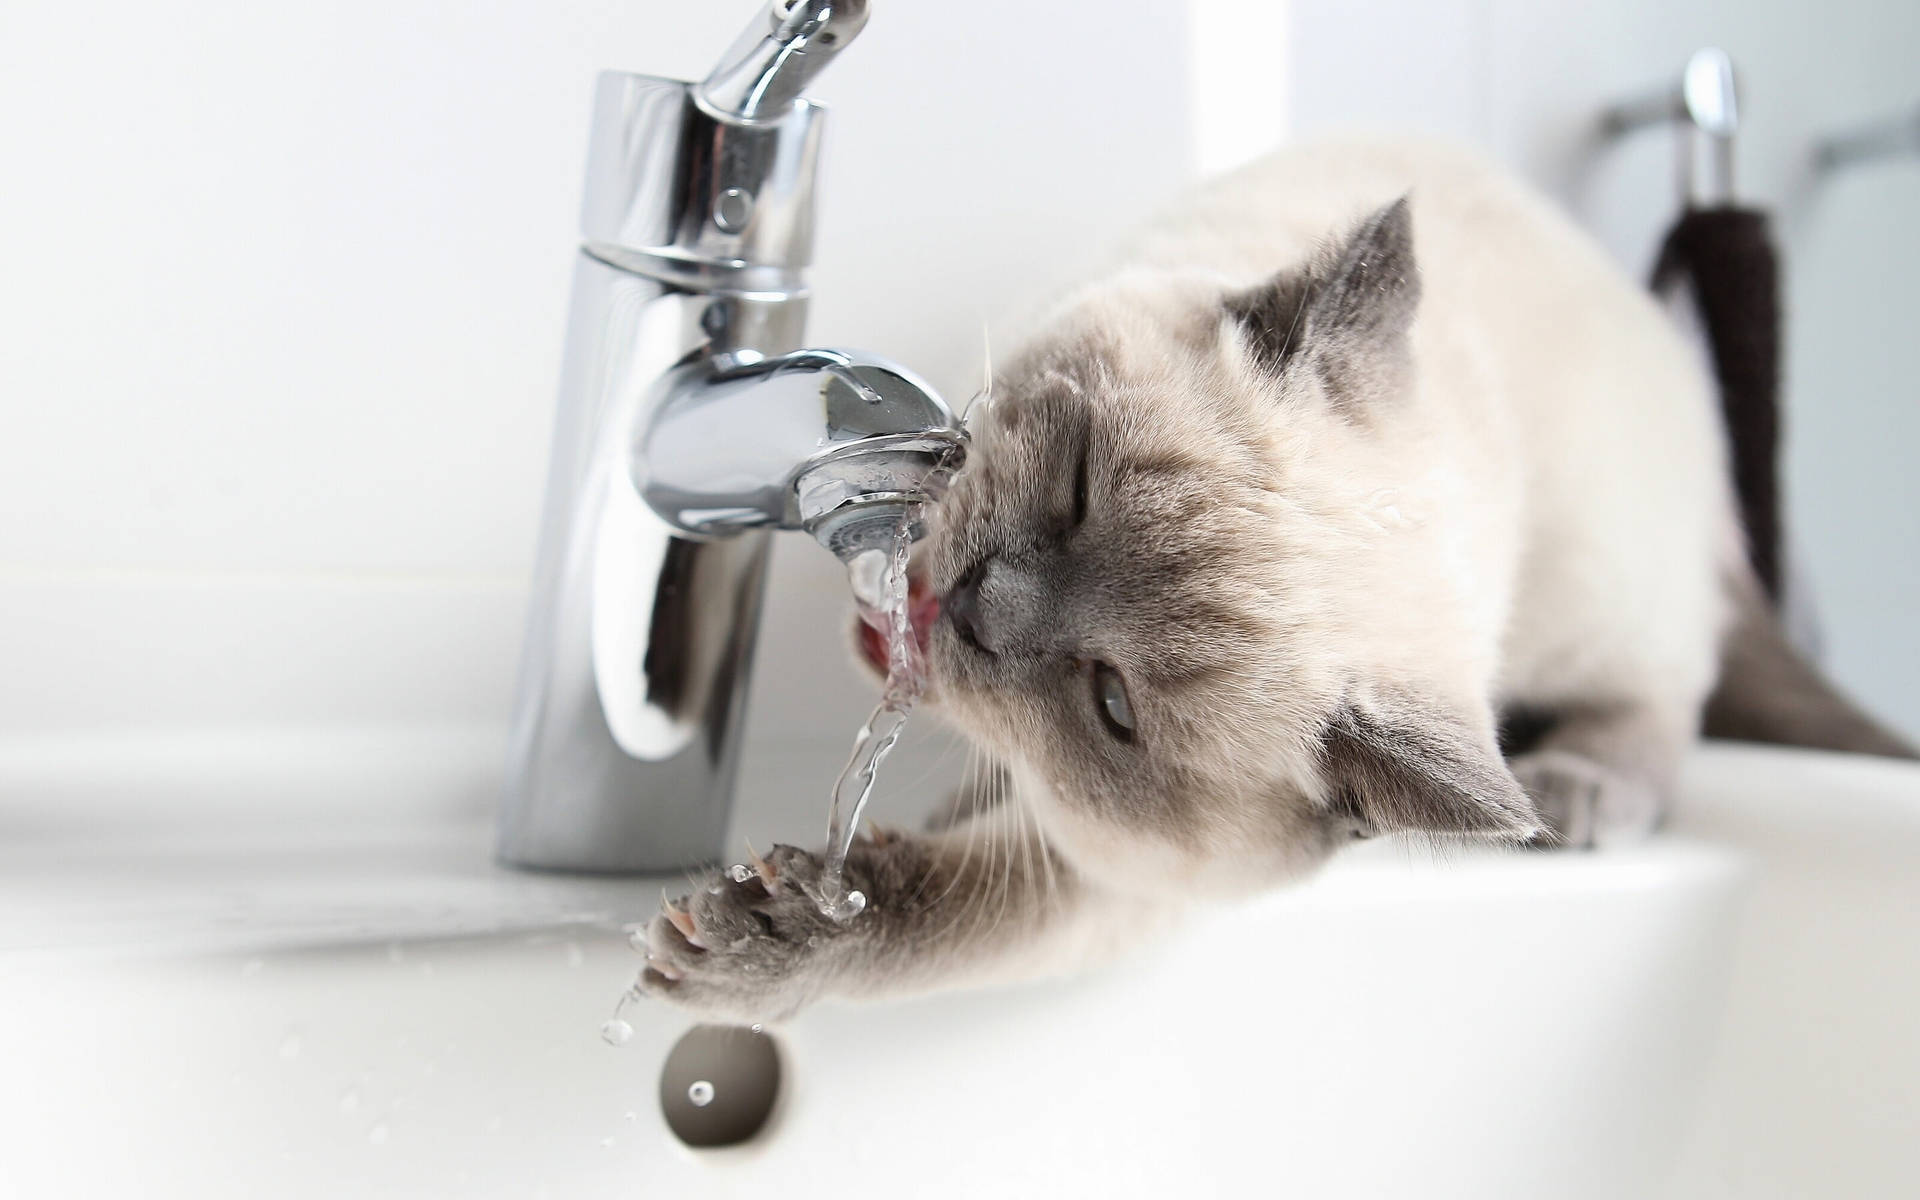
pixel 1480 1025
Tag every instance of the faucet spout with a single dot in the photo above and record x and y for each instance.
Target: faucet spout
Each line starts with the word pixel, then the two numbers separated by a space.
pixel 808 440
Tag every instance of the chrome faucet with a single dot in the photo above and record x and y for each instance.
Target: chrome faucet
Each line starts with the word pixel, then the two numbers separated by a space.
pixel 689 427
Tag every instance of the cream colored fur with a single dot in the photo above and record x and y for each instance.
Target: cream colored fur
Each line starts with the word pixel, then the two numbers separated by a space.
pixel 1577 444
pixel 1532 513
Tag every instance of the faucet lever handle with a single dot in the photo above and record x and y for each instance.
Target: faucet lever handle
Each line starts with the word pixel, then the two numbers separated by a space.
pixel 777 56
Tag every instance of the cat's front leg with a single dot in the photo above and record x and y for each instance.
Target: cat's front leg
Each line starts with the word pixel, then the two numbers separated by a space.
pixel 1602 774
pixel 973 899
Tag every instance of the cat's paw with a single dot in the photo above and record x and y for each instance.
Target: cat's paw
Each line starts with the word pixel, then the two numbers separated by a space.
pixel 1583 803
pixel 752 948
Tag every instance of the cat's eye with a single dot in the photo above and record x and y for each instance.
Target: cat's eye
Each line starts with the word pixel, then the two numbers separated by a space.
pixel 1110 698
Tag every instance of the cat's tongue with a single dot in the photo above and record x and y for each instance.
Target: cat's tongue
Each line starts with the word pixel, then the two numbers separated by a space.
pixel 922 607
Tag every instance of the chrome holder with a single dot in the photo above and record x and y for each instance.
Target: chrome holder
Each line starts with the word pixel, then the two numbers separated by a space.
pixel 1706 100
pixel 1877 141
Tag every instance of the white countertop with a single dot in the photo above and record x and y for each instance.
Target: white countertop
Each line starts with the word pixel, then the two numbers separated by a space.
pixel 239 841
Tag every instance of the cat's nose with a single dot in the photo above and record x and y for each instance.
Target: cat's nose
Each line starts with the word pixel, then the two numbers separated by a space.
pixel 962 606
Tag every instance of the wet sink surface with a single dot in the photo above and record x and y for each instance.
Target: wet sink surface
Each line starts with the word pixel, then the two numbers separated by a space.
pixel 1284 1032
pixel 368 1009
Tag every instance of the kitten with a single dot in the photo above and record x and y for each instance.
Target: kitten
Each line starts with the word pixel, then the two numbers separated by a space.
pixel 1262 535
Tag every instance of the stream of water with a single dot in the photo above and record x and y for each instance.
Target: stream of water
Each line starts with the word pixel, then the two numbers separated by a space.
pixel 879 579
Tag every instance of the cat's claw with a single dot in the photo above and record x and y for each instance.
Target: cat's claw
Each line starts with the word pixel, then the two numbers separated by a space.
pixel 756 948
pixel 762 868
pixel 683 921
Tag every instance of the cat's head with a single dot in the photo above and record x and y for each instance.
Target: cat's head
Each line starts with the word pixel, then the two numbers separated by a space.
pixel 1200 582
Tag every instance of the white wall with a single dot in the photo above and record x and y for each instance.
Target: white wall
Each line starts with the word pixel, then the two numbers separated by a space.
pixel 282 291
pixel 1528 80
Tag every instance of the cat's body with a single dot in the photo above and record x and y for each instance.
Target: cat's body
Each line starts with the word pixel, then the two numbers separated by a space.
pixel 1575 433
pixel 1263 535
pixel 1554 525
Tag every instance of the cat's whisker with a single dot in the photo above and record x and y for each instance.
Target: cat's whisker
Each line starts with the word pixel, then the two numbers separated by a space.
pixel 976 910
pixel 967 779
pixel 985 894
pixel 1045 852
pixel 1024 833
pixel 975 902
pixel 1006 875
pixel 1016 848
pixel 933 768
pixel 983 397
pixel 1029 835
pixel 1026 842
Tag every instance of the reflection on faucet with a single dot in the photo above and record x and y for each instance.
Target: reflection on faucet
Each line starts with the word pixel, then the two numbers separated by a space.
pixel 798 441
pixel 689 426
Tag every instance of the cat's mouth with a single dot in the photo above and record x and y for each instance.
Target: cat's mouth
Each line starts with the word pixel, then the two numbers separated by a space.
pixel 923 608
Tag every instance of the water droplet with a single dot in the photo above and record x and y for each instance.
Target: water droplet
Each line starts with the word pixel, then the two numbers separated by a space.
pixel 741 872
pixel 700 1093
pixel 616 1032
pixel 252 967
pixel 290 1045
pixel 575 955
pixel 396 952
pixel 630 1115
pixel 759 1029
pixel 606 1143
pixel 349 1100
pixel 378 1134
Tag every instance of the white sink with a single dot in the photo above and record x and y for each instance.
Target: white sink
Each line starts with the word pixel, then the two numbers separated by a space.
pixel 1486 1026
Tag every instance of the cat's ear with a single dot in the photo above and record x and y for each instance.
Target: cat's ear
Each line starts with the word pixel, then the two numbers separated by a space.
pixel 1403 768
pixel 1350 310
pixel 1374 288
pixel 1271 316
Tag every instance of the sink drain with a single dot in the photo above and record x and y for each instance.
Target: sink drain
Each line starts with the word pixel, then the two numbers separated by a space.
pixel 719 1085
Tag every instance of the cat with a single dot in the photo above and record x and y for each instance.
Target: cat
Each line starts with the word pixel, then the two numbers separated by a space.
pixel 1357 456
